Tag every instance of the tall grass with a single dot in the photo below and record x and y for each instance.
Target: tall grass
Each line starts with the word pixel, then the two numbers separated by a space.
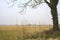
pixel 22 32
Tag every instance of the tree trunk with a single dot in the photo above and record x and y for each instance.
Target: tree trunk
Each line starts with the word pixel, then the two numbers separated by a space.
pixel 53 7
pixel 55 18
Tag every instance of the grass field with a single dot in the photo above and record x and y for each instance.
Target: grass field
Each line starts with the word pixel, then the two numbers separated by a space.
pixel 21 32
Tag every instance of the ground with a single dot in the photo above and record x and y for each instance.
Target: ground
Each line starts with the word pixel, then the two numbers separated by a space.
pixel 27 32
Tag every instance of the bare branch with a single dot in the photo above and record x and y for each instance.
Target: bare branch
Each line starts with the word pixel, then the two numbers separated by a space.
pixel 30 3
pixel 48 3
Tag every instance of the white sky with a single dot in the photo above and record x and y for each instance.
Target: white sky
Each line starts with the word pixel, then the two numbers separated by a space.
pixel 40 15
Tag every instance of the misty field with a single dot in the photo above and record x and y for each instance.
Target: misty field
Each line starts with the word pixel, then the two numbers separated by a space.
pixel 22 32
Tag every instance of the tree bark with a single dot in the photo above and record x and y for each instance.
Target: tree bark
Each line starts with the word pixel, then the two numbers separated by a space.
pixel 53 7
pixel 54 18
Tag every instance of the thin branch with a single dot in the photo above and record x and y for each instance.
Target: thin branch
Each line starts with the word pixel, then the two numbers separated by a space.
pixel 47 3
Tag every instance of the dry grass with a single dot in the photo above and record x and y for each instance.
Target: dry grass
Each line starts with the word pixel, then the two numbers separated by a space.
pixel 27 28
pixel 19 32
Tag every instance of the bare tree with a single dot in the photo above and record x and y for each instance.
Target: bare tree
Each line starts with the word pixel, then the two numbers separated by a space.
pixel 52 4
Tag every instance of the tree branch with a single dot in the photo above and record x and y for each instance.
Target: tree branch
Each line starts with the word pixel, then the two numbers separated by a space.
pixel 47 3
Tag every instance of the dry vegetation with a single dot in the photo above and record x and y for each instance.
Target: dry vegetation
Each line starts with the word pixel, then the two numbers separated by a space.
pixel 26 27
pixel 21 32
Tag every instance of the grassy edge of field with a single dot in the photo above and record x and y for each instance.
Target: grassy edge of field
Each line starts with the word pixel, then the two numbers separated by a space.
pixel 19 32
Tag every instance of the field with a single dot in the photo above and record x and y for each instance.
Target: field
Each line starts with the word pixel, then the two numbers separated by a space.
pixel 17 32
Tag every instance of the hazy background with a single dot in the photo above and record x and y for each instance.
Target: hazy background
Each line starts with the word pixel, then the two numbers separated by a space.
pixel 39 16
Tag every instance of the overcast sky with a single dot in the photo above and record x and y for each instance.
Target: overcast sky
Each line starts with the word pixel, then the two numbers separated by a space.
pixel 11 16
